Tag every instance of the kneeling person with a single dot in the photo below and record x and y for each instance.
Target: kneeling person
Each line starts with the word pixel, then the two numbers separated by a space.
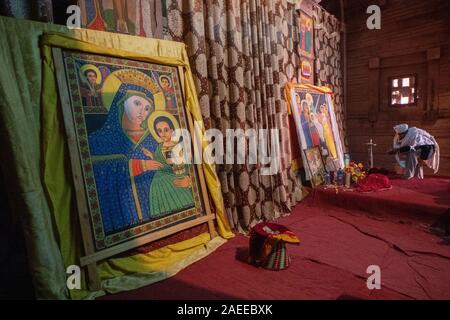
pixel 420 148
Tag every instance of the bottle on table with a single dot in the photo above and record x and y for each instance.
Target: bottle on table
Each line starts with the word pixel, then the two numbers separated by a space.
pixel 346 160
pixel 340 177
pixel 327 179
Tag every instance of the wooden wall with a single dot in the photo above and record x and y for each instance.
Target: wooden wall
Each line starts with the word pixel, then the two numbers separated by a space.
pixel 414 38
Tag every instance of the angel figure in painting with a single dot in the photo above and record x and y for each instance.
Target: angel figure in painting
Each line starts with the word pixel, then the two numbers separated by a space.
pixel 171 189
pixel 90 88
pixel 169 92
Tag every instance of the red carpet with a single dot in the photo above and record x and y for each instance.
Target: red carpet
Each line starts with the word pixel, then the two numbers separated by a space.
pixel 337 246
pixel 414 200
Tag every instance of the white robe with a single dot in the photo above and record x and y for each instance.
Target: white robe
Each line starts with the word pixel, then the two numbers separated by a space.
pixel 414 138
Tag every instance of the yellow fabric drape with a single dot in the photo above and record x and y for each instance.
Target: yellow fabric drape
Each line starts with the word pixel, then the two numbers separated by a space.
pixel 51 231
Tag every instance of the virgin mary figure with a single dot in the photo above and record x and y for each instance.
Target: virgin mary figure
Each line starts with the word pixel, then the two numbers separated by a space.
pixel 123 172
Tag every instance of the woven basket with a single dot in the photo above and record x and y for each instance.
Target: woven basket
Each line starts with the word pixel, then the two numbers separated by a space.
pixel 278 259
pixel 268 252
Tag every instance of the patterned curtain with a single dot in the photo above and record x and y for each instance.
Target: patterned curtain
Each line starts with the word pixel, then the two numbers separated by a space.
pixel 242 53
pixel 328 71
pixel 40 10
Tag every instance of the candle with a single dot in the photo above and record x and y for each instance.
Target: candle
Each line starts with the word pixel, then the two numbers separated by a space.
pixel 348 179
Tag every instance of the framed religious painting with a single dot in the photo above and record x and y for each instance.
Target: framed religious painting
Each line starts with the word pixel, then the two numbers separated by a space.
pixel 315 166
pixel 131 17
pixel 306 35
pixel 120 117
pixel 306 70
pixel 315 122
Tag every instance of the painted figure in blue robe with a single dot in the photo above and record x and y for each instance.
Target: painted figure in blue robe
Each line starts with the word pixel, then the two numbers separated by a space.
pixel 305 120
pixel 122 169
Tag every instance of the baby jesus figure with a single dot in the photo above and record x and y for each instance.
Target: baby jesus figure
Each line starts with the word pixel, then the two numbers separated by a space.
pixel 171 188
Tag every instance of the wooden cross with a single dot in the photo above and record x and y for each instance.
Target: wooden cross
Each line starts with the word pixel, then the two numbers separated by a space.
pixel 370 150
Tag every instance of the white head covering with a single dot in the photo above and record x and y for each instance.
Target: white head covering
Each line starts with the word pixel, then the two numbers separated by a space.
pixel 401 128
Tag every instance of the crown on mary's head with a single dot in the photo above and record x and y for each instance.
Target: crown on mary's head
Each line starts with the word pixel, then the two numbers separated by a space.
pixel 138 78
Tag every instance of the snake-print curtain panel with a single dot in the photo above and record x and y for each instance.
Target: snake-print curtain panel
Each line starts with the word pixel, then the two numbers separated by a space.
pixel 328 68
pixel 241 54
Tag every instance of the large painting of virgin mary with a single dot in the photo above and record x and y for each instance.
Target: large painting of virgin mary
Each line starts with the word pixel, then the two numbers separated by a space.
pixel 133 186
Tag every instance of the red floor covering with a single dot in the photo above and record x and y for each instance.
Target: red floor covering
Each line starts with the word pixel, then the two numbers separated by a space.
pixel 337 246
pixel 409 200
